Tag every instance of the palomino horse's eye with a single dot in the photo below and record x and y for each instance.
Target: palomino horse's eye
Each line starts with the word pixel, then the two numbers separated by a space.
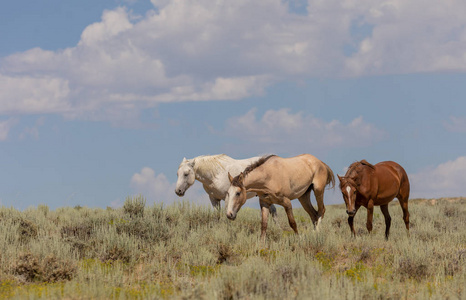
pixel 237 194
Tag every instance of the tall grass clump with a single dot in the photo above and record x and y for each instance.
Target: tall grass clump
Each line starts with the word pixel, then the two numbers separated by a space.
pixel 187 251
pixel 134 206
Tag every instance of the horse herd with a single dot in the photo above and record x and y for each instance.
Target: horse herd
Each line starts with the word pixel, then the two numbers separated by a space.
pixel 277 180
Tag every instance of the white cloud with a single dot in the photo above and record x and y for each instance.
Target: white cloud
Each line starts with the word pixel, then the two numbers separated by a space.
pixel 445 180
pixel 456 124
pixel 412 36
pixel 283 131
pixel 5 127
pixel 157 188
pixel 197 50
pixel 34 130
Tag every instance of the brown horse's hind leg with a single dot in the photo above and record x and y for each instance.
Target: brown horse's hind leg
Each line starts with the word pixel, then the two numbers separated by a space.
pixel 404 207
pixel 306 203
pixel 388 219
pixel 403 197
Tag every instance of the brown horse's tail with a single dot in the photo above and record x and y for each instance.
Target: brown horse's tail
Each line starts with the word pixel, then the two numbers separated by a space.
pixel 330 176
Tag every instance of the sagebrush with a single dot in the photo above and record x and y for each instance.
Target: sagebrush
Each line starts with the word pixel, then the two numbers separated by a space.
pixel 189 251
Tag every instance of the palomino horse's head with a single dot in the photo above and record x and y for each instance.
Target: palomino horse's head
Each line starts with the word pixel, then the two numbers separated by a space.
pixel 236 196
pixel 186 177
pixel 348 189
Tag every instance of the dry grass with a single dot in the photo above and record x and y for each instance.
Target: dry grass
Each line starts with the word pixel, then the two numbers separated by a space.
pixel 190 252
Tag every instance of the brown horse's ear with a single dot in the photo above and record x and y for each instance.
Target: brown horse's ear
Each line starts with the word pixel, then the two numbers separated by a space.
pixel 339 177
pixel 229 177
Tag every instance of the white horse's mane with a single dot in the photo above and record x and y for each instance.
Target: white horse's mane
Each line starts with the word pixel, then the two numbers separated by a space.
pixel 210 164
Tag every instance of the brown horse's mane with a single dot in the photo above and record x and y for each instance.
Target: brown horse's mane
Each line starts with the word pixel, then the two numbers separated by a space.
pixel 352 175
pixel 237 181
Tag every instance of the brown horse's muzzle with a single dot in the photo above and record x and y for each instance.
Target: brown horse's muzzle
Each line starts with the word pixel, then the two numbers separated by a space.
pixel 351 213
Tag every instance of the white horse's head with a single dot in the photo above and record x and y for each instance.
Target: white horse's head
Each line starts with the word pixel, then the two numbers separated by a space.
pixel 236 196
pixel 186 176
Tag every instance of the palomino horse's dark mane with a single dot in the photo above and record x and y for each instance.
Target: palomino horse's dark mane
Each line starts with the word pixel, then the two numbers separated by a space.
pixel 354 170
pixel 237 180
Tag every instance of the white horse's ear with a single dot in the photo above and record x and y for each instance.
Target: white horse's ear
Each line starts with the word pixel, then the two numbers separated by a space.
pixel 230 177
pixel 184 159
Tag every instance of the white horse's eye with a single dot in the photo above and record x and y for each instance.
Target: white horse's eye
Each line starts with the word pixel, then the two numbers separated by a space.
pixel 186 175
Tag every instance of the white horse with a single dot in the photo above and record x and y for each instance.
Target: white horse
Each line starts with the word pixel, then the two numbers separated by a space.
pixel 212 171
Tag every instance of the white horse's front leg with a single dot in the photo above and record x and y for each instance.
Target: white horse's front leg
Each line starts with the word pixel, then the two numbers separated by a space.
pixel 264 217
pixel 215 202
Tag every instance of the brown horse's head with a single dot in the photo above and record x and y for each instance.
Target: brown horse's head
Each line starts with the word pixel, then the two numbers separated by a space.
pixel 236 196
pixel 348 189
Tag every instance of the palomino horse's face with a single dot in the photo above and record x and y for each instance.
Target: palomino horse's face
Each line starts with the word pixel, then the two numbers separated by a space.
pixel 236 196
pixel 186 177
pixel 349 195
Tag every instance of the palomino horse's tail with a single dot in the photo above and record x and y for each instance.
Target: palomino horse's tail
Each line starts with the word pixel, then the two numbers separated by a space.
pixel 330 176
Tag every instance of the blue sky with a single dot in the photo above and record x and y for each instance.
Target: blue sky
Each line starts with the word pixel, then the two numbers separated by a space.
pixel 102 100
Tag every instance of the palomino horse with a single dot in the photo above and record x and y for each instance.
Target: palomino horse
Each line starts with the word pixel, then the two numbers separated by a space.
pixel 371 185
pixel 278 180
pixel 212 171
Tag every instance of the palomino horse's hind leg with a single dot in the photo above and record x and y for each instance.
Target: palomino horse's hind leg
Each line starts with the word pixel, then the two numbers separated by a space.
pixel 319 194
pixel 388 219
pixel 306 203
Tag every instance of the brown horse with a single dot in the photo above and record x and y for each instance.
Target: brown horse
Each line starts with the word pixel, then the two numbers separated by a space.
pixel 278 180
pixel 371 185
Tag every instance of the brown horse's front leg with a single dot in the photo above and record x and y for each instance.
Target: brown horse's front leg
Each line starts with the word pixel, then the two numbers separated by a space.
pixel 351 219
pixel 265 208
pixel 370 213
pixel 289 214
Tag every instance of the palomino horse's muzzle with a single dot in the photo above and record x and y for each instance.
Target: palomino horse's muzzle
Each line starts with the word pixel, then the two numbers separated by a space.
pixel 231 216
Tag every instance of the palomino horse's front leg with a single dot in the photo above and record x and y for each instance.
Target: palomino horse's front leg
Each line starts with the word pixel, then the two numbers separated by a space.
pixel 370 213
pixel 289 213
pixel 265 207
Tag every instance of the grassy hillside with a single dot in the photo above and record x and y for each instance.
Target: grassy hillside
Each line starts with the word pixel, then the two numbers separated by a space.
pixel 187 251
